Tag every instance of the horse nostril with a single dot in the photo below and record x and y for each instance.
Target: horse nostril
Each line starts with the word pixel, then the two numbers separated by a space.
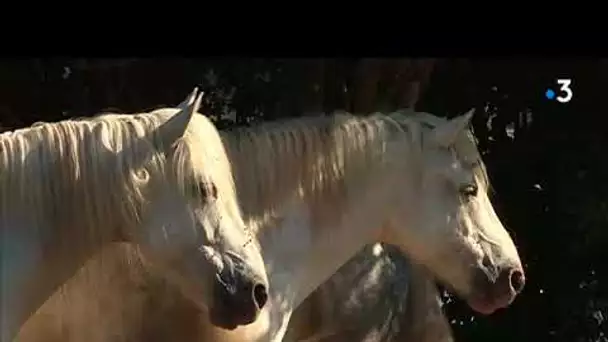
pixel 518 281
pixel 260 295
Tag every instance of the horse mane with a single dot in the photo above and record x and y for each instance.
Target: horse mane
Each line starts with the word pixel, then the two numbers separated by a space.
pixel 306 158
pixel 311 153
pixel 90 173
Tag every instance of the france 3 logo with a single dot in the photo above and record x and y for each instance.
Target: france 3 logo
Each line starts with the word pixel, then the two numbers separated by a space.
pixel 564 94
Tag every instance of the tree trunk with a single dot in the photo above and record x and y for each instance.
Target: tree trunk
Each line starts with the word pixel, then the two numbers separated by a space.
pixel 312 91
pixel 377 85
pixel 411 78
pixel 402 80
pixel 365 88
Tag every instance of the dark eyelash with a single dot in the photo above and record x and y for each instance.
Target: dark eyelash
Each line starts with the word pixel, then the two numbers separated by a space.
pixel 206 190
pixel 469 190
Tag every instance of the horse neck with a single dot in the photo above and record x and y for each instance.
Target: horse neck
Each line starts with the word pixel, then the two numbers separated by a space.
pixel 51 213
pixel 318 190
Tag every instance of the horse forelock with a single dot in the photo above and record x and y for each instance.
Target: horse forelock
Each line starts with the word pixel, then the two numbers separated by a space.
pixel 465 146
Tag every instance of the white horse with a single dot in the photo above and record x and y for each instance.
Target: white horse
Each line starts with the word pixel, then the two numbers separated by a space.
pixel 318 189
pixel 334 184
pixel 160 180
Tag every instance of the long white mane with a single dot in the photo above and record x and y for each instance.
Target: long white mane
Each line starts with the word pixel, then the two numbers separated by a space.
pixel 312 154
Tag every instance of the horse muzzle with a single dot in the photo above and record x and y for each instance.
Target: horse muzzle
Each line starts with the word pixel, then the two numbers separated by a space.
pixel 238 297
pixel 490 295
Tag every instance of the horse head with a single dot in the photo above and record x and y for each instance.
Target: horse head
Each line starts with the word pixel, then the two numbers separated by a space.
pixel 452 226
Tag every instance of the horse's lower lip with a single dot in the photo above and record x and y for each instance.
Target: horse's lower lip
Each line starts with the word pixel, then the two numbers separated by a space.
pixel 224 324
pixel 486 306
pixel 228 326
pixel 482 307
pixel 222 321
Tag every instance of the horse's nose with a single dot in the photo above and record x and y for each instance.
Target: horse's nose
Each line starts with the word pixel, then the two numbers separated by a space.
pixel 240 302
pixel 260 295
pixel 511 281
pixel 498 293
pixel 517 280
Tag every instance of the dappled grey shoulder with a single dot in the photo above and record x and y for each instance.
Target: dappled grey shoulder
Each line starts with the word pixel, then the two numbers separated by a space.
pixel 373 309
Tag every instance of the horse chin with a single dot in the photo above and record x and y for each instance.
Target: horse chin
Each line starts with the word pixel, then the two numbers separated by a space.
pixel 488 304
pixel 483 307
pixel 489 295
pixel 221 320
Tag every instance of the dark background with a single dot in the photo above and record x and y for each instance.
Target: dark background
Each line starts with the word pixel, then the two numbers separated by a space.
pixel 546 159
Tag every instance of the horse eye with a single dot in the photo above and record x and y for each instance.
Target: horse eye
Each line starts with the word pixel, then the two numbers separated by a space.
pixel 469 190
pixel 207 190
pixel 211 191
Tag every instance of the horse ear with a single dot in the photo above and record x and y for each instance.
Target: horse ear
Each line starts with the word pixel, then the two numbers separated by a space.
pixel 190 99
pixel 445 135
pixel 174 128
